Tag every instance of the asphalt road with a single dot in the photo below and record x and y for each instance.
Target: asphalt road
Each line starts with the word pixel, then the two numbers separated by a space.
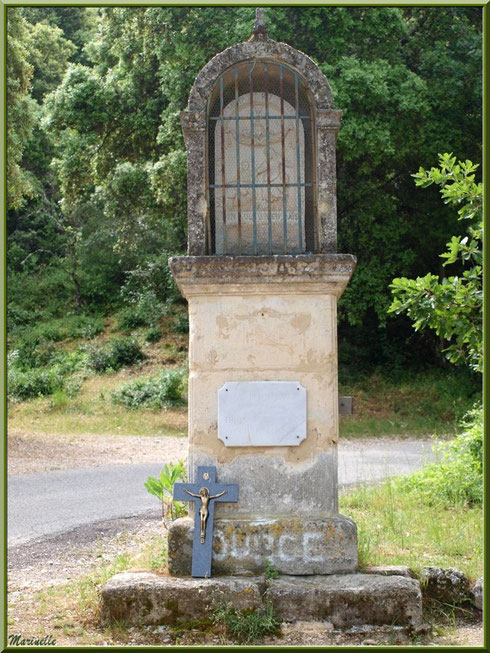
pixel 42 505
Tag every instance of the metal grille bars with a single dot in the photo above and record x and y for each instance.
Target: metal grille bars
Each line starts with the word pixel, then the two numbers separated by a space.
pixel 261 162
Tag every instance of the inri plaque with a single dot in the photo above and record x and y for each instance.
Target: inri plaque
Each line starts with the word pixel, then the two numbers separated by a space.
pixel 261 413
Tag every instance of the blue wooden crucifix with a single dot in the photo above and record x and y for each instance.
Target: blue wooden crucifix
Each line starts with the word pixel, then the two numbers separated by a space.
pixel 204 492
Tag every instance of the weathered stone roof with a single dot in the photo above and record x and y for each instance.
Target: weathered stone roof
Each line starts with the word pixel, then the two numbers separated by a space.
pixel 260 46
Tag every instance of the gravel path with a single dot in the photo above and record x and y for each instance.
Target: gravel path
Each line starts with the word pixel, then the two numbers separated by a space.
pixel 29 453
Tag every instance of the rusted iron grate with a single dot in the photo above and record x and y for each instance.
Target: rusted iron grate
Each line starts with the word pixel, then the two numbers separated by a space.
pixel 261 162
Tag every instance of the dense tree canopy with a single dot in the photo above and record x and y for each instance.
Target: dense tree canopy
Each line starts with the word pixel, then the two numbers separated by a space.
pixel 102 157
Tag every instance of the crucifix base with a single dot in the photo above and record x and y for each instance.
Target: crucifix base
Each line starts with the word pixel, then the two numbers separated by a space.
pixel 294 546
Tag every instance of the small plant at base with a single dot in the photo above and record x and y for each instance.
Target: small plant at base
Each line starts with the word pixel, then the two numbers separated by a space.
pixel 162 488
pixel 270 571
pixel 159 561
pixel 247 625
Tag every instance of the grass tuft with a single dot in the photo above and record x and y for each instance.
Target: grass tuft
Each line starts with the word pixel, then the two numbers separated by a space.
pixel 247 626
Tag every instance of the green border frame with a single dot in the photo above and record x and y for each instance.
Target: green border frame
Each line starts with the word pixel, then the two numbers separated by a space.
pixel 4 4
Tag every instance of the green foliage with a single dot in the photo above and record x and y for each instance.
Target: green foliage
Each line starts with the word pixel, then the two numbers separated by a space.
pixel 120 352
pixel 457 479
pixel 34 298
pixel 162 488
pixel 59 399
pixel 78 26
pixel 37 367
pixel 154 334
pixel 153 276
pixel 97 162
pixel 451 306
pixel 50 53
pixel 124 351
pixel 181 324
pixel 397 526
pixel 85 326
pixel 30 338
pixel 22 112
pixel 424 403
pixel 157 392
pixel 32 383
pixel 270 571
pixel 33 352
pixel 247 626
pixel 146 310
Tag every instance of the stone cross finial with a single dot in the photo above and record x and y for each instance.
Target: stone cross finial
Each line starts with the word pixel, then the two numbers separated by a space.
pixel 260 26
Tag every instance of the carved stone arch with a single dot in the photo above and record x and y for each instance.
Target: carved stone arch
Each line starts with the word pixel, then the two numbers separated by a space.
pixel 268 49
pixel 194 124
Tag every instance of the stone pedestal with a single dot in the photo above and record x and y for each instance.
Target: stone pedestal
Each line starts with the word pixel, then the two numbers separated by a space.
pixel 344 601
pixel 298 546
pixel 269 318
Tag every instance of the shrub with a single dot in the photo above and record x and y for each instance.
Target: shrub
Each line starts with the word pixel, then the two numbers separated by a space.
pixel 33 351
pixel 124 351
pixel 145 310
pixel 85 326
pixel 457 479
pixel 160 391
pixel 152 277
pixel 98 358
pixel 120 352
pixel 181 324
pixel 66 362
pixel 32 383
pixel 154 334
pixel 17 316
pixel 49 332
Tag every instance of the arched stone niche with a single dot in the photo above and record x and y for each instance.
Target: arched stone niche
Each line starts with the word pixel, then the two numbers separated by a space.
pixel 205 213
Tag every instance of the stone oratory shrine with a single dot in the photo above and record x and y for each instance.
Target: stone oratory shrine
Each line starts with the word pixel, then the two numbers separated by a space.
pixel 262 278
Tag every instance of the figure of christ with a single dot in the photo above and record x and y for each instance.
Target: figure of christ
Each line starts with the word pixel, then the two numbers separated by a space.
pixel 203 510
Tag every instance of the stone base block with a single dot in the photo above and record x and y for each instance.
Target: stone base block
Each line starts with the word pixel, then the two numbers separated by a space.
pixel 344 601
pixel 447 585
pixel 147 598
pixel 348 600
pixel 292 546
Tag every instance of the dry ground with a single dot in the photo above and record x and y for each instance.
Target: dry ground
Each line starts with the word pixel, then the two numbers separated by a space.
pixel 30 452
pixel 47 592
pixel 40 605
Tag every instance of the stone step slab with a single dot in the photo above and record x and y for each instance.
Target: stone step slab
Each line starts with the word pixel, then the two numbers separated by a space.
pixel 348 600
pixel 148 598
pixel 389 570
pixel 345 601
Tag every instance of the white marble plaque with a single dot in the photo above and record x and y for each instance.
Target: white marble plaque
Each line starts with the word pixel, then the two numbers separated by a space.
pixel 262 413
